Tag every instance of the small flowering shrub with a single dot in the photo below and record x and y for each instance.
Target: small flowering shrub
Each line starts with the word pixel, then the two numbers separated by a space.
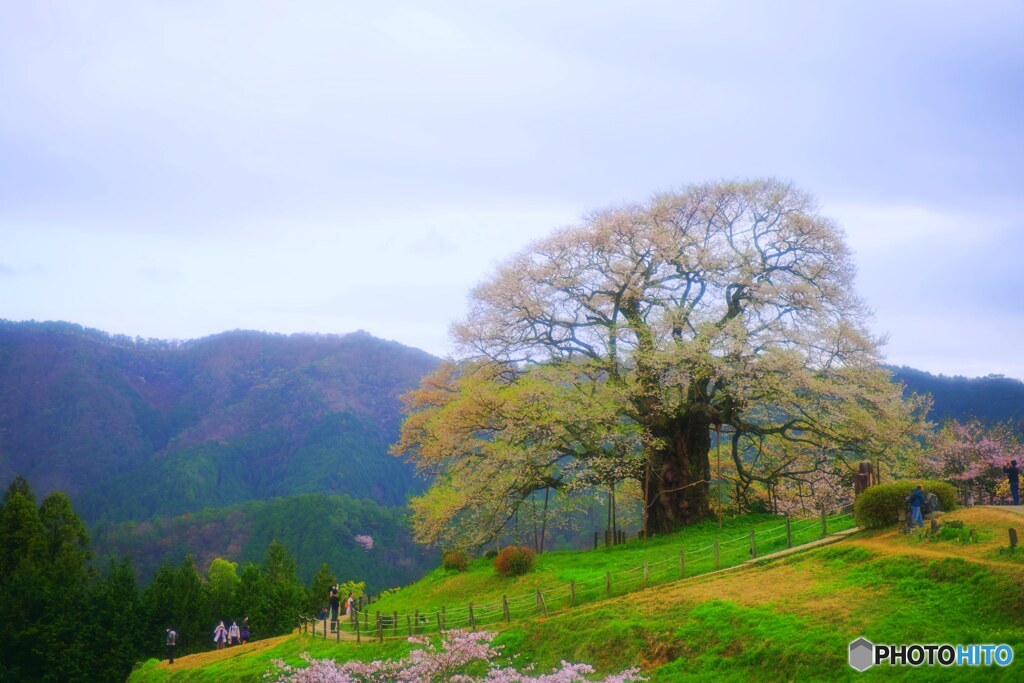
pixel 448 663
pixel 455 559
pixel 514 560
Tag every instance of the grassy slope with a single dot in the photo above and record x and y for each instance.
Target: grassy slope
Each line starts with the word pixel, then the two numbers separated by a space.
pixel 787 619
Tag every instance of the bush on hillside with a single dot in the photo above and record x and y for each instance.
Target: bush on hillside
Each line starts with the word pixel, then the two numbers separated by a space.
pixel 456 560
pixel 491 554
pixel 879 506
pixel 514 560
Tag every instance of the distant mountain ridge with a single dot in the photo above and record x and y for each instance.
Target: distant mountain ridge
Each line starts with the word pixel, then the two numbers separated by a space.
pixel 133 428
pixel 990 399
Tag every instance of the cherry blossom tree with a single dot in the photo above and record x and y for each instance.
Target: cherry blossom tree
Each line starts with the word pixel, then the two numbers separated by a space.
pixel 728 303
pixel 972 455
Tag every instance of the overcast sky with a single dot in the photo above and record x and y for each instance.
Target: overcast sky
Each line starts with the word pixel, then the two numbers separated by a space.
pixel 177 169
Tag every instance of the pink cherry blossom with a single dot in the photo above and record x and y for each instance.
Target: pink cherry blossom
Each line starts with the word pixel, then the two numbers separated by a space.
pixel 447 662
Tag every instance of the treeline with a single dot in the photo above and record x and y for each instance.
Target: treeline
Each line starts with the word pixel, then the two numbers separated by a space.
pixel 61 620
pixel 316 528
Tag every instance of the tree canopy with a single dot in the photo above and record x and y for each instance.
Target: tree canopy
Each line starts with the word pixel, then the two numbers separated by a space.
pixel 612 349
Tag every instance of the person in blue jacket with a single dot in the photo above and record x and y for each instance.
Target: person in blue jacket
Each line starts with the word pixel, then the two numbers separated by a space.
pixel 916 501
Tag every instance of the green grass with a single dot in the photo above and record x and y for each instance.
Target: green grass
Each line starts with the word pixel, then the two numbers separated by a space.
pixel 787 619
pixel 911 600
pixel 250 668
pixel 453 590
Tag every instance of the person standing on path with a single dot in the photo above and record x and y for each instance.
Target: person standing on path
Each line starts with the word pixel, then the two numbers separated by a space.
pixel 916 501
pixel 172 640
pixel 1013 474
pixel 233 633
pixel 245 630
pixel 334 602
pixel 349 604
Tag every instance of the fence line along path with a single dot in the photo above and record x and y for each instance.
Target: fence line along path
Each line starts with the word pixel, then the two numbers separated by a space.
pixel 683 564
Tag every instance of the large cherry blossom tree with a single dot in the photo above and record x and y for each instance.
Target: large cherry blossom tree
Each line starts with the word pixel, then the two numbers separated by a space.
pixel 614 348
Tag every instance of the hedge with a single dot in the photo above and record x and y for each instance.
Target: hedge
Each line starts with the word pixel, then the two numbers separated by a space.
pixel 879 506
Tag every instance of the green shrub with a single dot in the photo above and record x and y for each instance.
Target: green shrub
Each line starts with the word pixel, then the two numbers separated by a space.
pixel 879 506
pixel 455 559
pixel 514 560
pixel 491 554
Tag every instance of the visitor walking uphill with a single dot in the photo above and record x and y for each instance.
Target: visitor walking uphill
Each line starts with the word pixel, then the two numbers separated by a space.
pixel 1013 474
pixel 233 633
pixel 220 635
pixel 172 640
pixel 916 501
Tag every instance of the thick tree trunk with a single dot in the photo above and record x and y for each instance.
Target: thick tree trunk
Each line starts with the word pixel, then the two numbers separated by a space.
pixel 677 489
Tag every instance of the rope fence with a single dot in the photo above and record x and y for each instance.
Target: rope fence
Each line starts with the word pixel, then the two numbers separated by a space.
pixel 686 563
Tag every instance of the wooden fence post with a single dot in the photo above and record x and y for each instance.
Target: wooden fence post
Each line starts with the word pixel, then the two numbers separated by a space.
pixel 358 639
pixel 416 621
pixel 718 561
pixel 444 618
pixel 789 533
pixel 1013 538
pixel 380 628
pixel 408 623
pixel 504 608
pixel 608 583
pixel 540 601
pixel 682 563
pixel 753 543
pixel 472 622
pixel 394 617
pixel 325 629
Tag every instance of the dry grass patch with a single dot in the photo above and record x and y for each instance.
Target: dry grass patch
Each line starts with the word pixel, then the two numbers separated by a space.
pixel 203 658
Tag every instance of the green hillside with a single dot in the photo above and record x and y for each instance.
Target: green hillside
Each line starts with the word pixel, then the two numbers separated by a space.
pixel 789 618
pixel 315 528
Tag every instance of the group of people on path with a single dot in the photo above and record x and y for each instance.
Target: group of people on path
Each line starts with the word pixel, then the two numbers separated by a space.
pixel 334 601
pixel 232 635
pixel 917 497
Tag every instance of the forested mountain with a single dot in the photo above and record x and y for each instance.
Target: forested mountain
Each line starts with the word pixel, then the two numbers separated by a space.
pixel 315 528
pixel 133 428
pixel 991 399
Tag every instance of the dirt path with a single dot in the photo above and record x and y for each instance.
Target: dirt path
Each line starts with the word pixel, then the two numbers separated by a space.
pixel 203 658
pixel 993 519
